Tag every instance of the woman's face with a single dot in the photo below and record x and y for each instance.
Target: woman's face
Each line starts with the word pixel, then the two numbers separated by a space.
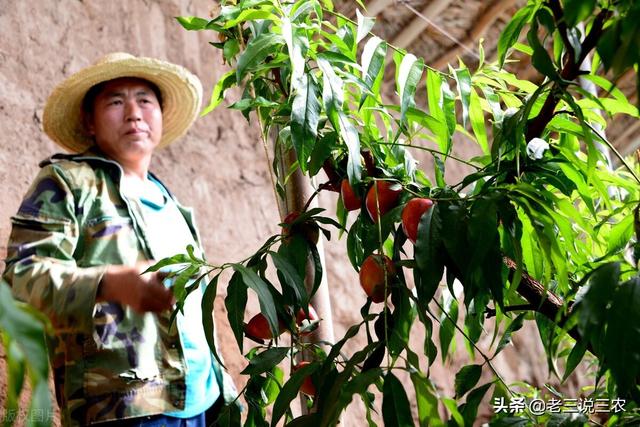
pixel 126 120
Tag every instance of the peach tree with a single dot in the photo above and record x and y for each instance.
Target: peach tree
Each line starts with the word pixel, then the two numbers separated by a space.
pixel 541 229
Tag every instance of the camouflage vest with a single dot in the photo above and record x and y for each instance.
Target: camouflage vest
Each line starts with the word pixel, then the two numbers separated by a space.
pixel 109 362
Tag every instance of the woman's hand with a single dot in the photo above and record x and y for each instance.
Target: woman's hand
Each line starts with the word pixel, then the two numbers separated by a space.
pixel 128 286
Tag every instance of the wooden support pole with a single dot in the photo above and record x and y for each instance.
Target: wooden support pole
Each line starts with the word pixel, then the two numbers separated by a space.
pixel 298 190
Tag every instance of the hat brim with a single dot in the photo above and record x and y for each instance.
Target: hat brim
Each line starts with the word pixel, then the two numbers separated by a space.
pixel 181 98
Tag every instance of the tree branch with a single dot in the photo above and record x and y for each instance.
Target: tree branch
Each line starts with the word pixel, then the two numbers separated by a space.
pixel 570 70
pixel 544 301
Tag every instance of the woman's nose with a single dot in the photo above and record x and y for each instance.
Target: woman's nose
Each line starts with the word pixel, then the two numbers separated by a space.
pixel 133 111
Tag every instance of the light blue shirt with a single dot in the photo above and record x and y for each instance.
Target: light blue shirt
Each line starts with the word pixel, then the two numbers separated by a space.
pixel 169 234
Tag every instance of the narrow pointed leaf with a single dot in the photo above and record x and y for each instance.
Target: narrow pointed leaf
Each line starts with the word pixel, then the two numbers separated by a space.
pixel 622 337
pixel 257 50
pixel 476 115
pixel 515 325
pixel 192 23
pixel 395 405
pixel 470 409
pixel 265 361
pixel 426 401
pixel 373 56
pixel 290 391
pixel 294 46
pixel 408 78
pixel 235 303
pixel 333 98
pixel 511 32
pixel 466 378
pixel 365 23
pixel 225 82
pixel 267 305
pixel 463 80
pixel 292 278
pixel 305 116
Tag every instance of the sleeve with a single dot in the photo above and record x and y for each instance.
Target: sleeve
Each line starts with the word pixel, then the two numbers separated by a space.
pixel 40 264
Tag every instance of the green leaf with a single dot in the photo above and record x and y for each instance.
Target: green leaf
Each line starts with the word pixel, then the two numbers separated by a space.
pixel 626 50
pixel 463 80
pixel 540 58
pixel 257 51
pixel 250 15
pixel 235 303
pixel 514 326
pixel 317 269
pixel 302 10
pixel 466 378
pixel 327 4
pixel 358 384
pixel 322 151
pixel 267 304
pixel 208 322
pixel 290 391
pixel 16 371
pixel 229 416
pixel 179 284
pixel 574 358
pixel 429 254
pixel 373 56
pixel 176 259
pixel 409 74
pixel 365 23
pixel 615 106
pixel 620 234
pixel 292 278
pixel 265 361
pixel 577 10
pixel 404 315
pixel 192 23
pixel 599 292
pixel 470 409
pixel 476 115
pixel 332 90
pixel 622 337
pixel 436 126
pixel 333 98
pixel 395 405
pixel 225 82
pixel 441 106
pixel 19 324
pixel 40 409
pixel 426 401
pixel 511 32
pixel 447 323
pixel 484 266
pixel 456 417
pixel 305 116
pixel 294 46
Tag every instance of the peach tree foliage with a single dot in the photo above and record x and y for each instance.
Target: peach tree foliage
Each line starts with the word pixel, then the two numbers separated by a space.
pixel 539 207
pixel 23 329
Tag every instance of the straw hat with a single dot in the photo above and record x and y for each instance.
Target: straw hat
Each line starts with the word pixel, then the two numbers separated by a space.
pixel 181 98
